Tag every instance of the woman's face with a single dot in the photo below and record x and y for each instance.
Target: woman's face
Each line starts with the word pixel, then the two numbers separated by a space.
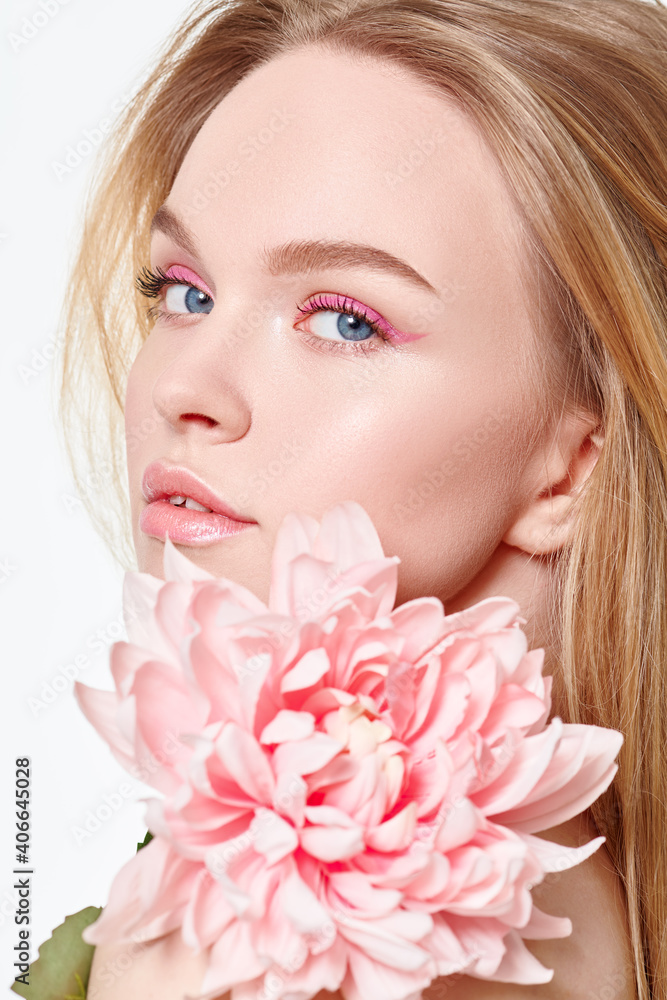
pixel 428 419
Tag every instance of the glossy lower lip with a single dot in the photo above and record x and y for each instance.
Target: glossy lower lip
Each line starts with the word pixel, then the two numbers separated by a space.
pixel 188 527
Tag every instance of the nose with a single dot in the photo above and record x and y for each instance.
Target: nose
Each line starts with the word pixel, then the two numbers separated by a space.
pixel 198 392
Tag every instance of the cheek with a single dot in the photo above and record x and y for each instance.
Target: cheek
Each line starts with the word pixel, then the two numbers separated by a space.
pixel 441 484
pixel 413 447
pixel 141 418
pixel 135 405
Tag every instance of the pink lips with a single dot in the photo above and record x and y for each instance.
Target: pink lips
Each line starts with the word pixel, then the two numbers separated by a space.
pixel 185 526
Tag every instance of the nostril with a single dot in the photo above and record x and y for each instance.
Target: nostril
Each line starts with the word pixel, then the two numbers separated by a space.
pixel 199 416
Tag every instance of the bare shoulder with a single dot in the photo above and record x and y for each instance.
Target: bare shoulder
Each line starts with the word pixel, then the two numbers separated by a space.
pixel 165 969
pixel 595 961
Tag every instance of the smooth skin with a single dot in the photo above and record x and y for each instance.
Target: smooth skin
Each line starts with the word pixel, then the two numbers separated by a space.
pixel 325 146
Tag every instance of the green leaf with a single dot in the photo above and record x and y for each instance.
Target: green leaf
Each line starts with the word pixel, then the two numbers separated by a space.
pixel 63 968
pixel 147 839
pixel 81 995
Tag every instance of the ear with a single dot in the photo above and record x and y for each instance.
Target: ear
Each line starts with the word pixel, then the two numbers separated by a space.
pixel 545 523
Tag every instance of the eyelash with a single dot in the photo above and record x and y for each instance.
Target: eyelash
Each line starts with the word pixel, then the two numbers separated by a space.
pixel 339 304
pixel 150 283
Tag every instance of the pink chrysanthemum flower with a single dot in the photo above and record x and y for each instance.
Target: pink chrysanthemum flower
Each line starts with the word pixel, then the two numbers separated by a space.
pixel 350 793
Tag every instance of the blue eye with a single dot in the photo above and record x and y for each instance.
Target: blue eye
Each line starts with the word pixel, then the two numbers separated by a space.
pixel 181 297
pixel 193 301
pixel 351 328
pixel 334 316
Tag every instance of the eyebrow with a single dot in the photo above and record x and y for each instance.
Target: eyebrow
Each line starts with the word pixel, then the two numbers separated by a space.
pixel 301 255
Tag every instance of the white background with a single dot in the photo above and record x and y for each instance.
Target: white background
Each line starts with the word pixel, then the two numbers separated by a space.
pixel 59 588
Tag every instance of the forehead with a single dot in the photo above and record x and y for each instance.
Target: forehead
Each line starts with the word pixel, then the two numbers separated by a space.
pixel 345 147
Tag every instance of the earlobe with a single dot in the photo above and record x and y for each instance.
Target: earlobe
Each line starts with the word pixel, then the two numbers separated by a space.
pixel 545 525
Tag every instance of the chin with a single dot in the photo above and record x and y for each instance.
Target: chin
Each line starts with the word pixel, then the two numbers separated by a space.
pixel 150 555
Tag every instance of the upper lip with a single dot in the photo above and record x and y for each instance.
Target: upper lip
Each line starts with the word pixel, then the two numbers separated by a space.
pixel 162 481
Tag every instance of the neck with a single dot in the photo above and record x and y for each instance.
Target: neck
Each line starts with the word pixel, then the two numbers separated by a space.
pixel 529 581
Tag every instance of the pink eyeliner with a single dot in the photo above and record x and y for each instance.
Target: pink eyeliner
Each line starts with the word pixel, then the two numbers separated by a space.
pixel 396 335
pixel 188 277
pixel 405 338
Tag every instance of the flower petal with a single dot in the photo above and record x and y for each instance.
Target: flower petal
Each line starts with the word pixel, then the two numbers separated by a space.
pixel 394 834
pixel 581 768
pixel 288 725
pixel 274 837
pixel 332 843
pixel 312 666
pixel 307 755
pixel 100 708
pixel 302 907
pixel 246 762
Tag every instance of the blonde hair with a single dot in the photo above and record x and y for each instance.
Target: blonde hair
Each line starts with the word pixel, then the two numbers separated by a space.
pixel 572 98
